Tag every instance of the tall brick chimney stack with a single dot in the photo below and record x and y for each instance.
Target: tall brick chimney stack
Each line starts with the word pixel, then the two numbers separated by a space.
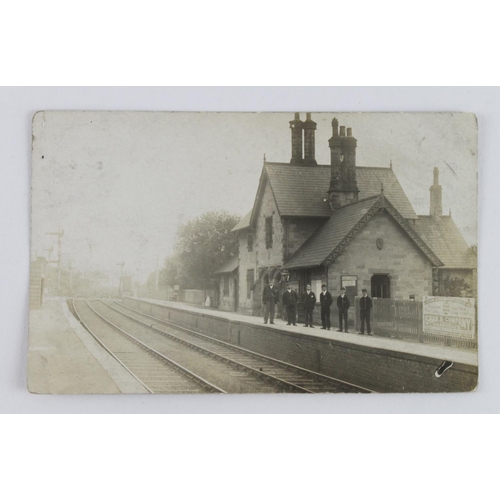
pixel 296 126
pixel 349 144
pixel 309 141
pixel 335 150
pixel 343 185
pixel 436 205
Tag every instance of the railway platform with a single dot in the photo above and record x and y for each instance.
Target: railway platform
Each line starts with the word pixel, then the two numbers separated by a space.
pixel 379 363
pixel 396 345
pixel 65 359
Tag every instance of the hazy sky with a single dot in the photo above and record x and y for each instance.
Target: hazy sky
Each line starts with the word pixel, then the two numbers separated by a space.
pixel 124 181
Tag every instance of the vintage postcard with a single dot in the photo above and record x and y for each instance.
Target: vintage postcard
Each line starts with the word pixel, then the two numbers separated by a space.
pixel 191 253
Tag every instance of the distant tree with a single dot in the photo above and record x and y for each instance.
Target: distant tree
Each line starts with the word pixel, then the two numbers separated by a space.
pixel 172 273
pixel 203 245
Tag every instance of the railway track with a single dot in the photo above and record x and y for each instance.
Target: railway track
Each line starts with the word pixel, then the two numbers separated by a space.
pixel 155 371
pixel 290 378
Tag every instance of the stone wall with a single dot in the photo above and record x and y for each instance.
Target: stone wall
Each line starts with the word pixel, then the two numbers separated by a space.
pixel 409 269
pixel 246 261
pixel 192 297
pixel 260 257
pixel 288 236
pixel 227 302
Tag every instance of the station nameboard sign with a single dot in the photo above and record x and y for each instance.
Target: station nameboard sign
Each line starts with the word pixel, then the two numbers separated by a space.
pixel 450 316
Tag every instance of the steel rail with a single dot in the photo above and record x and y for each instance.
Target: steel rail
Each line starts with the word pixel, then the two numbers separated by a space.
pixel 299 370
pixel 184 371
pixel 204 350
pixel 106 348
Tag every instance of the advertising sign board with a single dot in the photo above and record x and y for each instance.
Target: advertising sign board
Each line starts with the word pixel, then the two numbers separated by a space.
pixel 450 316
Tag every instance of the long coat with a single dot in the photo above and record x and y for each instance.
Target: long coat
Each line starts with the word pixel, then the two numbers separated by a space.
pixel 309 300
pixel 343 303
pixel 326 299
pixel 290 298
pixel 270 295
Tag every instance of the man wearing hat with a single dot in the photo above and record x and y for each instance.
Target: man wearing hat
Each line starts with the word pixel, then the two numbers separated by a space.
pixel 325 299
pixel 309 301
pixel 270 298
pixel 343 305
pixel 365 307
pixel 290 300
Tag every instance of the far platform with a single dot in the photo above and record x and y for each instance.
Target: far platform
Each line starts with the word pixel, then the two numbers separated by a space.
pixel 63 358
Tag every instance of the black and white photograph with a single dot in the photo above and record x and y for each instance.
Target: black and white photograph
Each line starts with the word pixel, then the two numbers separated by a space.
pixel 236 253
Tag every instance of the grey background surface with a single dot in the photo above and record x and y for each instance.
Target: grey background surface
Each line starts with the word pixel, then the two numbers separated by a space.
pixel 17 106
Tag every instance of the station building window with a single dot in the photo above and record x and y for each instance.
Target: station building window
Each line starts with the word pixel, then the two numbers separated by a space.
pixel 269 232
pixel 381 286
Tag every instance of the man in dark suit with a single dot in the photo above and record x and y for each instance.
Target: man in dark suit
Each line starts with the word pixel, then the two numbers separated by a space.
pixel 309 301
pixel 326 300
pixel 343 305
pixel 290 300
pixel 270 297
pixel 365 308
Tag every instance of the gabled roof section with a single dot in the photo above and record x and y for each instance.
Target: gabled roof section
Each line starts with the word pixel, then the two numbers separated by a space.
pixel 327 237
pixel 244 223
pixel 371 178
pixel 301 191
pixel 444 237
pixel 328 242
pixel 230 266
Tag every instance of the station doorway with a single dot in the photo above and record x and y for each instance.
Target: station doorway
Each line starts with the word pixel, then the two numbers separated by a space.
pixel 381 286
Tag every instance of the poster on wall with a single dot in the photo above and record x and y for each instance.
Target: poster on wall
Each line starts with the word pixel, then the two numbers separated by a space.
pixel 450 316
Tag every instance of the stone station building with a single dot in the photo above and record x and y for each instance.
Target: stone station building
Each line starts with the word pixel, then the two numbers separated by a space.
pixel 343 225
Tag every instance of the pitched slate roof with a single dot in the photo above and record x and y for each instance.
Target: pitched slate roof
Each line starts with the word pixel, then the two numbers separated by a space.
pixel 444 237
pixel 301 191
pixel 317 248
pixel 230 266
pixel 330 239
pixel 369 182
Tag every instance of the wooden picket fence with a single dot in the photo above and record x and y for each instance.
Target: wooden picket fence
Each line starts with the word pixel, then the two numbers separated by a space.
pixel 403 319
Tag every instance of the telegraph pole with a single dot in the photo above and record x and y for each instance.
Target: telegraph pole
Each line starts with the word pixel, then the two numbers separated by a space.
pixel 120 290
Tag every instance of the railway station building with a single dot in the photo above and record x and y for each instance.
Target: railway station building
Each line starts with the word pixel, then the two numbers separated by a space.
pixel 344 225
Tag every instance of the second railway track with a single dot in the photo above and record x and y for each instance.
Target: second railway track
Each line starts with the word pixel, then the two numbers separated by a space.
pixel 155 371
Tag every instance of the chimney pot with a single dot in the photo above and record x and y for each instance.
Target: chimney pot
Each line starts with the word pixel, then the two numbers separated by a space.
pixel 436 191
pixel 349 132
pixel 309 141
pixel 342 130
pixel 335 127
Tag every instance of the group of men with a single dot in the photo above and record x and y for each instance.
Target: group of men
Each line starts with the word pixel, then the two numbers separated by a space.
pixel 290 299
